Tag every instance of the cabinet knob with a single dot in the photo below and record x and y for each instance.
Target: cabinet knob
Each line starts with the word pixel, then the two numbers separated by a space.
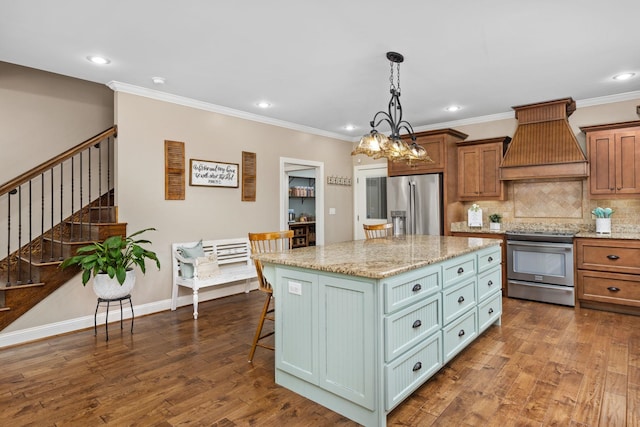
pixel 613 257
pixel 612 189
pixel 416 287
pixel 461 333
pixel 460 270
pixel 613 289
pixel 490 282
pixel 417 366
pixel 460 300
pixel 490 259
pixel 619 188
pixel 490 310
pixel 417 324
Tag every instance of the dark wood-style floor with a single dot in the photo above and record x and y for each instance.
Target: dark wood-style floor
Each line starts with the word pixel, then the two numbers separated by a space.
pixel 546 365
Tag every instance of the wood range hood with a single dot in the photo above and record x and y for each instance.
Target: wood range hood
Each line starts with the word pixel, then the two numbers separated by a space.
pixel 544 146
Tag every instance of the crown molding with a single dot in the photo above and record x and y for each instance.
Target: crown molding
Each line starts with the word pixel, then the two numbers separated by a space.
pixel 206 106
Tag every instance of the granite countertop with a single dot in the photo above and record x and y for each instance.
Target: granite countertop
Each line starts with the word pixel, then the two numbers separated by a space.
pixel 622 231
pixel 378 258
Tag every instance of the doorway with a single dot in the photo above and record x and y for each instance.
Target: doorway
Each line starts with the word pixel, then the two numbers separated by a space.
pixel 293 169
pixel 369 197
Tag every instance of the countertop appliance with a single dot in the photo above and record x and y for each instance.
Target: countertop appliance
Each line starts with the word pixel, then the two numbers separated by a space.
pixel 414 204
pixel 540 266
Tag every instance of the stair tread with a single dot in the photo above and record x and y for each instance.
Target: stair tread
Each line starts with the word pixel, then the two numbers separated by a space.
pixel 4 287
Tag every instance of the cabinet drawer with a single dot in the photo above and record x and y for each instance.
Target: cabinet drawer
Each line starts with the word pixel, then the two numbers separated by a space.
pixel 612 288
pixel 458 269
pixel 407 327
pixel 489 258
pixel 489 282
pixel 457 335
pixel 617 256
pixel 457 299
pixel 410 287
pixel 489 311
pixel 407 373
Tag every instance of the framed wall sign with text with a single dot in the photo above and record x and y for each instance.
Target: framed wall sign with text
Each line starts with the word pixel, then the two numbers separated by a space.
pixel 213 174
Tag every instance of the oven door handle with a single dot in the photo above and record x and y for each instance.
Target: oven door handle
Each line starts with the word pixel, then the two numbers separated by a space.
pixel 565 246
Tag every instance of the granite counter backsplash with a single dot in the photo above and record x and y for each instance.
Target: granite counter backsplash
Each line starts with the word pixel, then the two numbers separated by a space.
pixel 618 231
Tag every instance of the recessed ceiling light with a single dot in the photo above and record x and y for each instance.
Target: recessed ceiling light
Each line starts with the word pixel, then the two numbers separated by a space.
pixel 452 108
pixel 623 76
pixel 350 127
pixel 158 80
pixel 100 60
pixel 263 104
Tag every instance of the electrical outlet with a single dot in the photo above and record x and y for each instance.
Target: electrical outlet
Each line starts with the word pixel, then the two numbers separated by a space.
pixel 295 288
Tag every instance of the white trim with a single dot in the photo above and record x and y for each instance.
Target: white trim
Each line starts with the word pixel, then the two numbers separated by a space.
pixel 284 195
pixel 188 102
pixel 86 322
pixel 357 169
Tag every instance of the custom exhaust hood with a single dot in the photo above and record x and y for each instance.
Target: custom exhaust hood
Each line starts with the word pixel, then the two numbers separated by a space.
pixel 544 146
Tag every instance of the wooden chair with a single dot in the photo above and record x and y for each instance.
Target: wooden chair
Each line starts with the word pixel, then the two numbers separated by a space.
pixel 378 230
pixel 276 241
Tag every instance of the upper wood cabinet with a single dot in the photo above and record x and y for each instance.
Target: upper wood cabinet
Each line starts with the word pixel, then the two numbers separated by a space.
pixel 613 151
pixel 438 145
pixel 478 169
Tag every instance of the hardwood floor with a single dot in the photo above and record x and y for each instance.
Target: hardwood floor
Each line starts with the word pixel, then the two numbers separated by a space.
pixel 546 365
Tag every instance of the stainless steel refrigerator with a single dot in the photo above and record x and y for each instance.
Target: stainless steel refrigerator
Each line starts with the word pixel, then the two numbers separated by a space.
pixel 414 204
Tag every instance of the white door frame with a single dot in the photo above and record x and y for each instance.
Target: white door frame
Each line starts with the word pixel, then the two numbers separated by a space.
pixel 284 194
pixel 356 172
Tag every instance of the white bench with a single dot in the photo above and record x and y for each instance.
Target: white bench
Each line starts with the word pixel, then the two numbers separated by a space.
pixel 234 260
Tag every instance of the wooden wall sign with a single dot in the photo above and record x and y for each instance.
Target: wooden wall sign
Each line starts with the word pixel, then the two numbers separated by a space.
pixel 248 176
pixel 213 174
pixel 174 170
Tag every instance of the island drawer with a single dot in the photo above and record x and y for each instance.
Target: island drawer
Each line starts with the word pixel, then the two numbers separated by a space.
pixel 489 258
pixel 617 256
pixel 405 289
pixel 407 373
pixel 459 334
pixel 488 282
pixel 409 326
pixel 489 311
pixel 457 269
pixel 458 299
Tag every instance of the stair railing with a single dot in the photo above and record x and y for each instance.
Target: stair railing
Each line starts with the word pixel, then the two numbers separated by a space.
pixel 49 195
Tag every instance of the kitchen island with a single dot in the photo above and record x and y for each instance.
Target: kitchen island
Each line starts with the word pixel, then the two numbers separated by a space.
pixel 360 325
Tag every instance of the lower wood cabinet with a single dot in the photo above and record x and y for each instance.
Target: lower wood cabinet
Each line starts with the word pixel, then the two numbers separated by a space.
pixel 608 274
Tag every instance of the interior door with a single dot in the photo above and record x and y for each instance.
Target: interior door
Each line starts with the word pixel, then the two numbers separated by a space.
pixel 370 197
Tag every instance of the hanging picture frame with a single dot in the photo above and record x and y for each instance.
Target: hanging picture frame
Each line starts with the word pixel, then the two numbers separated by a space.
pixel 207 173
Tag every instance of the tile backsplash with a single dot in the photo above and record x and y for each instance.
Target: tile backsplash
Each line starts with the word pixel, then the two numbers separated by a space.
pixel 559 201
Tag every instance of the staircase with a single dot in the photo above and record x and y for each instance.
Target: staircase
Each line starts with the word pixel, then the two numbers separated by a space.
pixel 46 214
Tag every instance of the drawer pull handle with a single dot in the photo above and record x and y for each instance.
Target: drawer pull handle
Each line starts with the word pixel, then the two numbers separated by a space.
pixel 490 310
pixel 460 270
pixel 490 259
pixel 417 324
pixel 613 257
pixel 417 366
pixel 416 287
pixel 613 289
pixel 490 283
pixel 461 333
pixel 460 300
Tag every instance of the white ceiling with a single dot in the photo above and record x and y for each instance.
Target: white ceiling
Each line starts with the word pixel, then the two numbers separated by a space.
pixel 321 63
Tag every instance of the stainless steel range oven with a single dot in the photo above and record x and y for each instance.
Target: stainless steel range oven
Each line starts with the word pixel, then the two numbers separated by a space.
pixel 540 266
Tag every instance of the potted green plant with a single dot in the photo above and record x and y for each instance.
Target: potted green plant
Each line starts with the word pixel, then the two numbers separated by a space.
pixel 111 263
pixel 494 221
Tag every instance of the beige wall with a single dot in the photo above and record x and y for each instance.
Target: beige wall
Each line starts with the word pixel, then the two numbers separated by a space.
pixel 43 114
pixel 207 212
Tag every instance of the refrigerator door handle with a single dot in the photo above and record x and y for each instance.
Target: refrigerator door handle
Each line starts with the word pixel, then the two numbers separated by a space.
pixel 412 206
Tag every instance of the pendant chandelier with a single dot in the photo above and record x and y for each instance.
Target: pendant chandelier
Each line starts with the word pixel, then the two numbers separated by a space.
pixel 393 148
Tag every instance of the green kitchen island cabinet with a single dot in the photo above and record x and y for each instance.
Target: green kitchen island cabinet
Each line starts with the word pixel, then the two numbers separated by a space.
pixel 361 325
